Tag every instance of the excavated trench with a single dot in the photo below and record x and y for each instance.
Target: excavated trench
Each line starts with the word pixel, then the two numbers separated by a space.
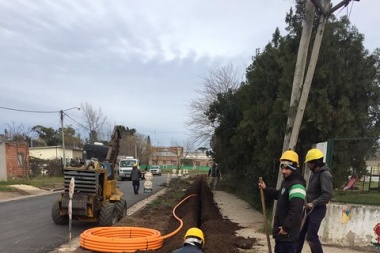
pixel 198 211
pixel 201 211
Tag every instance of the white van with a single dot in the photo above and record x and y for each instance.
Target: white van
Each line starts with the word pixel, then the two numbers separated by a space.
pixel 126 166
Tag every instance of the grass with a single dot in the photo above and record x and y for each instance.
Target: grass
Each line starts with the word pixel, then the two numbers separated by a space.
pixel 39 182
pixel 357 197
pixel 173 195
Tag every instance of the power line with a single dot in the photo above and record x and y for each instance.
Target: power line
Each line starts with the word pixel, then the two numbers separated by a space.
pixel 21 110
pixel 77 122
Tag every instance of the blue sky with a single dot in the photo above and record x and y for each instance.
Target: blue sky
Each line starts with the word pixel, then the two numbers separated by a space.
pixel 140 62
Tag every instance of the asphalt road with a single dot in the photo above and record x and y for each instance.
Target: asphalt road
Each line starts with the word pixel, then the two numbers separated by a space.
pixel 26 224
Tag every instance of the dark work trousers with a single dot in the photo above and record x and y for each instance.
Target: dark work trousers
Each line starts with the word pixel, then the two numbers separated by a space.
pixel 310 230
pixel 284 247
pixel 136 186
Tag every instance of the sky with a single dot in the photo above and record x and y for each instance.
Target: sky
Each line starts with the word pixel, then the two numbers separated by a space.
pixel 139 61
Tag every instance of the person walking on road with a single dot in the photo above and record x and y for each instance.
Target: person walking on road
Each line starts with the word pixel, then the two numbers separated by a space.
pixel 290 202
pixel 135 177
pixel 193 242
pixel 318 194
pixel 215 176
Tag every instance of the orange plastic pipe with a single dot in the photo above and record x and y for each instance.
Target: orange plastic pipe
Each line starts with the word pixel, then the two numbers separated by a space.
pixel 126 239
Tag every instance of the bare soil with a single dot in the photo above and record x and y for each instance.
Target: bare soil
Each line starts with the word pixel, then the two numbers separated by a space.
pixel 198 211
pixel 230 224
pixel 10 195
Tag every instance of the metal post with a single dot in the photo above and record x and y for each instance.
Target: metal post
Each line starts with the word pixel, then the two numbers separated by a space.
pixel 330 150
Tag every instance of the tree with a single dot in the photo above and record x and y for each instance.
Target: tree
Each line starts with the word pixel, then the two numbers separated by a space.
pixel 72 138
pixel 134 144
pixel 94 121
pixel 48 135
pixel 218 81
pixel 344 101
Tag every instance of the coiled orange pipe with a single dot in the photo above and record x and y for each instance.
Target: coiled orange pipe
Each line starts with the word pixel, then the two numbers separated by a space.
pixel 126 239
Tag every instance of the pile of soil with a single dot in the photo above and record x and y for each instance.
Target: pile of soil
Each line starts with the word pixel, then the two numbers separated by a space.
pixel 197 211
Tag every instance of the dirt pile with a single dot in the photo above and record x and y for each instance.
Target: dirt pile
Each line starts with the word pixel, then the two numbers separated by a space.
pixel 198 211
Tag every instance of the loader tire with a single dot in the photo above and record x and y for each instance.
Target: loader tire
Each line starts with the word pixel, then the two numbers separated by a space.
pixel 57 217
pixel 108 215
pixel 121 207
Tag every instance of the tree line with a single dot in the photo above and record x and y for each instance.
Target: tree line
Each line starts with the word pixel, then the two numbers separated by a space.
pixel 247 124
pixel 95 124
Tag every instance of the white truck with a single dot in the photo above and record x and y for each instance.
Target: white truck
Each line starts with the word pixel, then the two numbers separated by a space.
pixel 126 166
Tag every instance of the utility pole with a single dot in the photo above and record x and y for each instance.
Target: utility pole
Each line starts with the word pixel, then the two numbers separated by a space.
pixel 309 78
pixel 299 72
pixel 61 113
pixel 307 27
pixel 298 98
pixel 63 141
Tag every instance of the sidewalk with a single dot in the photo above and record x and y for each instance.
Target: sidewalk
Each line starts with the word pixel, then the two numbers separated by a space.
pixel 252 222
pixel 230 207
pixel 25 191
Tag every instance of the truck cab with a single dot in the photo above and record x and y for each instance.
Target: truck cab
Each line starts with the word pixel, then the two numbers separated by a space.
pixel 126 166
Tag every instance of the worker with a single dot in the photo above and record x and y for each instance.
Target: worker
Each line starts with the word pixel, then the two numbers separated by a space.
pixel 193 241
pixel 135 177
pixel 215 176
pixel 290 202
pixel 319 193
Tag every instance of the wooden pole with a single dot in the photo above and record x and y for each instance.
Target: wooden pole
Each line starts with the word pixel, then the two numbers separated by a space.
pixel 265 216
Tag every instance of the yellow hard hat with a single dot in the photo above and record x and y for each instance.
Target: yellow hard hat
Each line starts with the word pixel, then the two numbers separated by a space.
pixel 313 154
pixel 135 165
pixel 197 233
pixel 290 155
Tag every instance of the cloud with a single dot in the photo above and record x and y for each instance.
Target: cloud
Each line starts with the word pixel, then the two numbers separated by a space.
pixel 139 61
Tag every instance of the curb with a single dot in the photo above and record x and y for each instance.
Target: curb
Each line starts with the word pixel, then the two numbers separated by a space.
pixel 75 242
pixel 57 189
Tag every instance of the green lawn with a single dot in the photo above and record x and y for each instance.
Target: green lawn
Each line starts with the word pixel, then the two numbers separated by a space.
pixel 357 197
pixel 349 196
pixel 40 182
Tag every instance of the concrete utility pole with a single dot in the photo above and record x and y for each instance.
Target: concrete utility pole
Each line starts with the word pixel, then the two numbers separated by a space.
pixel 299 99
pixel 61 113
pixel 299 72
pixel 63 140
pixel 307 27
pixel 295 119
pixel 309 78
pixel 296 100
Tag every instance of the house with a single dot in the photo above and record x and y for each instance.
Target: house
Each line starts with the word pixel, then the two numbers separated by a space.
pixel 14 159
pixel 174 156
pixel 169 156
pixel 199 158
pixel 55 152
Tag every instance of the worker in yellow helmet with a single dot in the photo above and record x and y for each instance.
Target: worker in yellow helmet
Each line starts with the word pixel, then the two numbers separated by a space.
pixel 193 241
pixel 319 193
pixel 290 202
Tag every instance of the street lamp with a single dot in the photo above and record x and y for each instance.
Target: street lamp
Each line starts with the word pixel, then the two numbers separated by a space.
pixel 63 134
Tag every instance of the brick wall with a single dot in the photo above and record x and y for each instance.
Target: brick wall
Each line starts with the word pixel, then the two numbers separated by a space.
pixel 14 168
